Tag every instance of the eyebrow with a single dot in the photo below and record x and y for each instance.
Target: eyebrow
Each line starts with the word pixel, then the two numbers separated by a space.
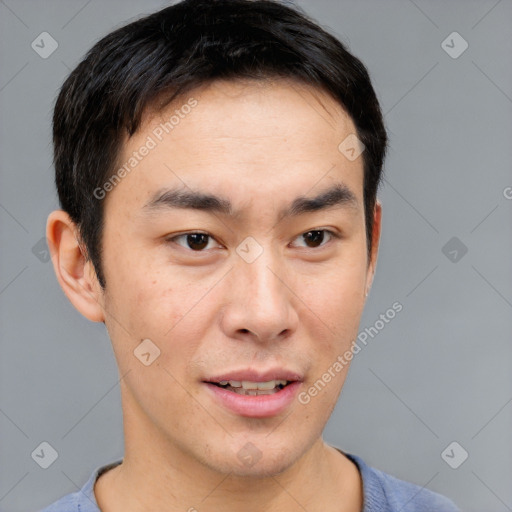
pixel 338 195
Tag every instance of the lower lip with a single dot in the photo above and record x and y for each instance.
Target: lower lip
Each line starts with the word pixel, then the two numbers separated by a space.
pixel 262 406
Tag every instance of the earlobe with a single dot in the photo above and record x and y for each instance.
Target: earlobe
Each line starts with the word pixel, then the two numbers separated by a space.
pixel 372 264
pixel 74 272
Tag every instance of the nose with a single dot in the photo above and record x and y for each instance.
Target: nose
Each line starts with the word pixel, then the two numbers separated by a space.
pixel 260 303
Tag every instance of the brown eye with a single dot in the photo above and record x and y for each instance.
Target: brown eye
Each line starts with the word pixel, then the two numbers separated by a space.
pixel 197 241
pixel 194 241
pixel 315 238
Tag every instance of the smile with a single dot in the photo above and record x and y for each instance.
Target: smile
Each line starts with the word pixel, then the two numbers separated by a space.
pixel 249 388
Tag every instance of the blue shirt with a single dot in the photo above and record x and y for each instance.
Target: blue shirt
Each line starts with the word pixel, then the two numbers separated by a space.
pixel 382 493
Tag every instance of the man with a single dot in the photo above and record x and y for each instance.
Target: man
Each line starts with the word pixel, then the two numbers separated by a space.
pixel 217 165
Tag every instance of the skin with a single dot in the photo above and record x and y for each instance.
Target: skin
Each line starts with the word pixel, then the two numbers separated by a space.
pixel 260 145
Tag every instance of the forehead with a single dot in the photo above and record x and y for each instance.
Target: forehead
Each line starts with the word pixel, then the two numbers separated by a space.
pixel 258 139
pixel 253 108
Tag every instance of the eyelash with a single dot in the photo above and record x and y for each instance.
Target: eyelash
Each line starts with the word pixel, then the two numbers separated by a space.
pixel 331 233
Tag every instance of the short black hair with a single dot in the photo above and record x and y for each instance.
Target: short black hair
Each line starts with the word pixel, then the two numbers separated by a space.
pixel 182 47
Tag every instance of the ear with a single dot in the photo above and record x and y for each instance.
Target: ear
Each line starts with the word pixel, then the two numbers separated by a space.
pixel 75 274
pixel 372 264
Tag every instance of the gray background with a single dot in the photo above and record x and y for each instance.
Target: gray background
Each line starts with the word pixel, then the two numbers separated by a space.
pixel 439 372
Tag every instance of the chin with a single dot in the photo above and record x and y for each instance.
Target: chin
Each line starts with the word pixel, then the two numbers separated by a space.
pixel 254 459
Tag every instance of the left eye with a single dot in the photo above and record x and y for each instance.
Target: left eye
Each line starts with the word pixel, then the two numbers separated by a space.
pixel 315 237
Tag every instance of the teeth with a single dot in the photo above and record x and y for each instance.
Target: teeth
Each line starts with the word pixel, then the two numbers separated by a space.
pixel 246 384
pixel 271 384
pixel 253 387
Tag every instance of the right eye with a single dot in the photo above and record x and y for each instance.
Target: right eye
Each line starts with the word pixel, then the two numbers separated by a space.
pixel 195 241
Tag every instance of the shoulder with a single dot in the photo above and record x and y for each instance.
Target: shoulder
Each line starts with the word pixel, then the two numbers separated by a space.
pixel 385 493
pixel 82 500
pixel 69 503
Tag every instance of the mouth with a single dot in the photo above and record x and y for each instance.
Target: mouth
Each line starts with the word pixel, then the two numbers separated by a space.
pixel 255 394
pixel 249 388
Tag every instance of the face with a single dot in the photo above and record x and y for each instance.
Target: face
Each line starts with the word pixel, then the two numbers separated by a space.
pixel 252 286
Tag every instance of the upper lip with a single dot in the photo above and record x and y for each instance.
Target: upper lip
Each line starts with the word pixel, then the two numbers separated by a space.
pixel 253 375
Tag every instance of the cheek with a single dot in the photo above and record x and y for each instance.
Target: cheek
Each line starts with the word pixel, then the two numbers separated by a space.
pixel 338 303
pixel 176 317
pixel 337 298
pixel 159 314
